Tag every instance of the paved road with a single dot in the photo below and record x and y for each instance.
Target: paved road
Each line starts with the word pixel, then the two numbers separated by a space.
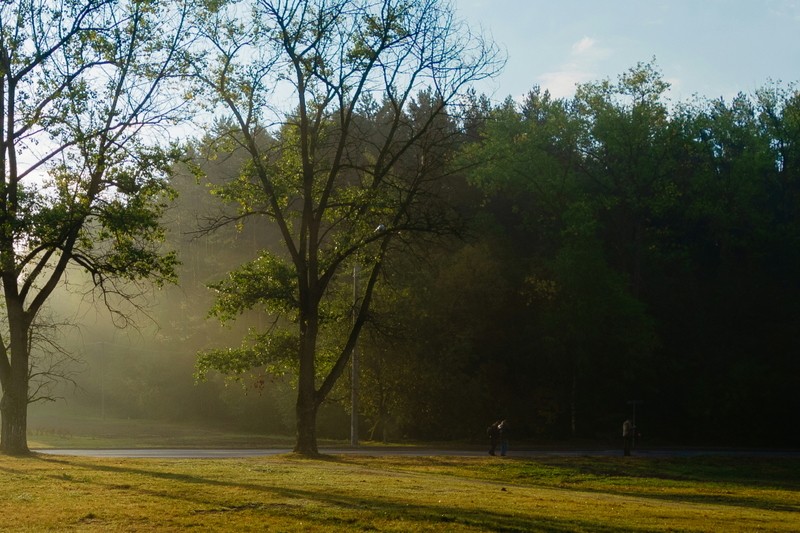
pixel 178 453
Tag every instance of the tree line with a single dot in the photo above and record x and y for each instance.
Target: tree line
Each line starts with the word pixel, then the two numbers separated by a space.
pixel 627 248
pixel 549 261
pixel 604 249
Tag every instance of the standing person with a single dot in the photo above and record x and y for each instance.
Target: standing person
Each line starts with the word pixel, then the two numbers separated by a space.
pixel 503 427
pixel 627 436
pixel 494 435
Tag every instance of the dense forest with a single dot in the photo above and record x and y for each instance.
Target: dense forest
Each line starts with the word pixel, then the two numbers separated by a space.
pixel 614 247
pixel 622 248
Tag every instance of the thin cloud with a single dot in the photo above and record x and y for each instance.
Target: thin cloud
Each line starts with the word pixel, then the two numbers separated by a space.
pixel 580 67
pixel 584 46
pixel 562 83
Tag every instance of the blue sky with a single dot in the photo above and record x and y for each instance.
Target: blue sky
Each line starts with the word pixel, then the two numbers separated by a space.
pixel 708 47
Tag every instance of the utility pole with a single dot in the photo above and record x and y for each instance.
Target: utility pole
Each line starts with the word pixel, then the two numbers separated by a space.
pixel 354 371
pixel 354 367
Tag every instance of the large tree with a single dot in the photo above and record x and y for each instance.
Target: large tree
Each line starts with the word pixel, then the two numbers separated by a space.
pixel 83 92
pixel 342 107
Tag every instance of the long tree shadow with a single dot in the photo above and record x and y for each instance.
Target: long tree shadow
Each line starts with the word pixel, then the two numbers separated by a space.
pixel 742 478
pixel 367 510
pixel 745 475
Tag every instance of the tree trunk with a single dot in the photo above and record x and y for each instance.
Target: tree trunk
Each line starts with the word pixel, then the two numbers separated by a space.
pixel 306 426
pixel 14 404
pixel 14 412
pixel 307 404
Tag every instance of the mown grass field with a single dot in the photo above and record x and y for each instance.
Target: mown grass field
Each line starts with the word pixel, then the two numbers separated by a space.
pixel 372 493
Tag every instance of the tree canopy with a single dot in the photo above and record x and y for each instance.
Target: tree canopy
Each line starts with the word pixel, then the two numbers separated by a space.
pixel 347 170
pixel 80 86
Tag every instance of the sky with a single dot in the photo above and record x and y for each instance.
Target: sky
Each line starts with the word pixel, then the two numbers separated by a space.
pixel 712 48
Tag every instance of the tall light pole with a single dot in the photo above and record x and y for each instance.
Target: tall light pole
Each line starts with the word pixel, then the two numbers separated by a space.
pixel 354 367
pixel 354 371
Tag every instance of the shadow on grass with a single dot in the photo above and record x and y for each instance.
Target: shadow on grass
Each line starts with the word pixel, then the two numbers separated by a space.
pixel 739 482
pixel 752 472
pixel 348 511
pixel 733 482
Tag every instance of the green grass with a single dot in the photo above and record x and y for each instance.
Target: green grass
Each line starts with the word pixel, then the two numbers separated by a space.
pixel 374 493
pixel 371 493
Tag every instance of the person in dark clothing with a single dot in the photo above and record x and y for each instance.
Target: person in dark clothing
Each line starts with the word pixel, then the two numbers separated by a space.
pixel 494 436
pixel 504 431
pixel 627 436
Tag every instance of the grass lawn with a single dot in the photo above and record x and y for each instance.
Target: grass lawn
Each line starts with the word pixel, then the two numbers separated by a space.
pixel 371 493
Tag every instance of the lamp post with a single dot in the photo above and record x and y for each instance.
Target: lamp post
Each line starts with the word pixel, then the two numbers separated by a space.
pixel 354 370
pixel 354 367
